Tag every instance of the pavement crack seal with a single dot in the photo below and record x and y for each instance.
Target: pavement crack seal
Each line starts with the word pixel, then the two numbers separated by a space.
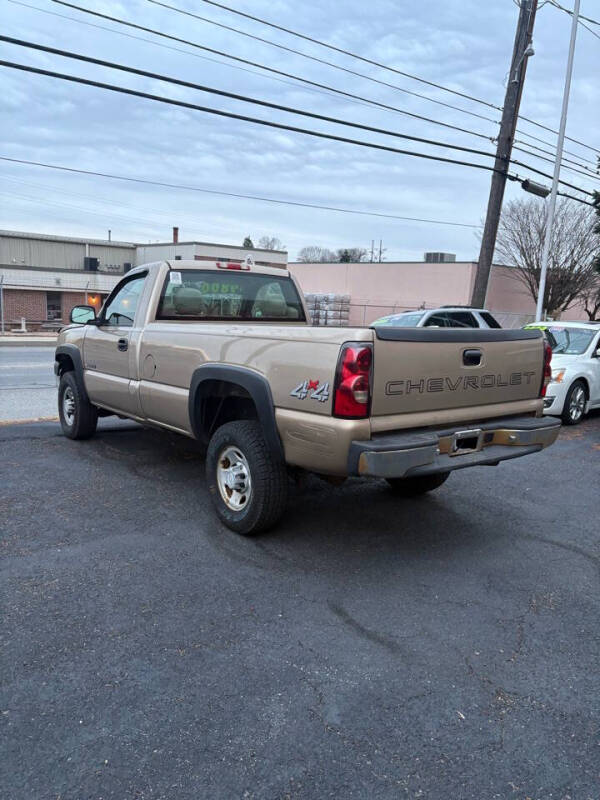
pixel 366 633
pixel 571 548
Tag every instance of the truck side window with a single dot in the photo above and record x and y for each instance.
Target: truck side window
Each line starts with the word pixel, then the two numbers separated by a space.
pixel 121 306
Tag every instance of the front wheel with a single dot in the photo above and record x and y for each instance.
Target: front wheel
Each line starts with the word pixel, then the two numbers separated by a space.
pixel 247 482
pixel 78 417
pixel 420 484
pixel 574 406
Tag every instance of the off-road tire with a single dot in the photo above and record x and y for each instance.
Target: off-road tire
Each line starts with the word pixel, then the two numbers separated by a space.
pixel 567 412
pixel 420 484
pixel 268 475
pixel 85 415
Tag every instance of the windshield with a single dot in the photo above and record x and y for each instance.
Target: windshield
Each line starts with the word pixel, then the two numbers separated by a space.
pixel 195 294
pixel 400 320
pixel 568 341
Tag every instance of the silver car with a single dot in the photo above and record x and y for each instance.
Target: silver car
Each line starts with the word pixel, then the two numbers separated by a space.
pixel 444 317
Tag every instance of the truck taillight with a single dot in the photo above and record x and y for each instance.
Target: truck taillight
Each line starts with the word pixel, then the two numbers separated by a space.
pixel 352 392
pixel 547 372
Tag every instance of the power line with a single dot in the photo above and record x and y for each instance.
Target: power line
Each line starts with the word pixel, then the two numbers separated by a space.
pixel 588 175
pixel 314 85
pixel 587 27
pixel 242 117
pixel 593 172
pixel 268 123
pixel 185 52
pixel 163 184
pixel 336 66
pixel 323 44
pixel 569 11
pixel 547 175
pixel 549 144
pixel 234 96
pixel 580 19
pixel 578 199
pixel 313 58
pixel 303 80
pixel 551 130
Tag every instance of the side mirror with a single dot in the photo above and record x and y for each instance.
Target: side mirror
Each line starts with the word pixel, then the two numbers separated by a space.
pixel 596 353
pixel 82 314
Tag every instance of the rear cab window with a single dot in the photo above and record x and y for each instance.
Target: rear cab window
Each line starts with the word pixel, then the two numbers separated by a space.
pixel 215 295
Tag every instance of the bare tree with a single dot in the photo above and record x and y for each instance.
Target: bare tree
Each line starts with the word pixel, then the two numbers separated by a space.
pixel 270 243
pixel 351 255
pixel 316 255
pixel 573 247
pixel 591 298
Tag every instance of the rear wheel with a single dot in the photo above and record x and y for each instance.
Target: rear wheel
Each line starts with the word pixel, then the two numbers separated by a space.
pixel 248 483
pixel 78 417
pixel 574 406
pixel 420 484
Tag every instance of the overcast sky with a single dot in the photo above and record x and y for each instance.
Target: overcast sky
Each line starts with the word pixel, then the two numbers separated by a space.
pixel 463 44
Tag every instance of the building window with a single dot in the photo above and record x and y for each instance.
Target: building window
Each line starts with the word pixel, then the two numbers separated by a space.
pixel 53 305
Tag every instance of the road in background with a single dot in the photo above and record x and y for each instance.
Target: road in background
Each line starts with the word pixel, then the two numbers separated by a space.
pixel 369 647
pixel 27 383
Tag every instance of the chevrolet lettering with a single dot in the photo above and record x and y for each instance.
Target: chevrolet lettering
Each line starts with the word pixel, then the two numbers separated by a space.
pixel 462 382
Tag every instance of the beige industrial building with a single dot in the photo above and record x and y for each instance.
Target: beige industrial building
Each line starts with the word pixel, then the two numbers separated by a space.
pixel 42 277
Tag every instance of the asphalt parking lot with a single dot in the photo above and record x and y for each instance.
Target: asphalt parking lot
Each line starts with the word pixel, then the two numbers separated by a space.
pixel 370 647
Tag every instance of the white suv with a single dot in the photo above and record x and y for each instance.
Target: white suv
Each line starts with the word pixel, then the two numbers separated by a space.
pixel 444 317
pixel 575 386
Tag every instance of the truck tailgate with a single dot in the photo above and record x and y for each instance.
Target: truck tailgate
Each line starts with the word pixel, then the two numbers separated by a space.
pixel 432 369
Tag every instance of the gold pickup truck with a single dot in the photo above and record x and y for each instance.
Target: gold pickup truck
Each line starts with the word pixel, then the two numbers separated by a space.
pixel 224 352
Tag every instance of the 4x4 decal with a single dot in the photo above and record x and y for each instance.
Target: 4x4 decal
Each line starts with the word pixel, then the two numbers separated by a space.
pixel 311 389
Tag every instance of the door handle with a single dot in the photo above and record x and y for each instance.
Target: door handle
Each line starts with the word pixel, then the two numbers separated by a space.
pixel 122 344
pixel 472 358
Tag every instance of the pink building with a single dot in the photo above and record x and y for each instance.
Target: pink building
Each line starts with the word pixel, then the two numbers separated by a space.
pixel 379 289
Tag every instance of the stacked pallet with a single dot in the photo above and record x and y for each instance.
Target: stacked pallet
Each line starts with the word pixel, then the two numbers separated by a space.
pixel 329 309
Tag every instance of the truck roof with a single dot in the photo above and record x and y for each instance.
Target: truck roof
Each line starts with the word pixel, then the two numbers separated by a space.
pixel 231 264
pixel 241 265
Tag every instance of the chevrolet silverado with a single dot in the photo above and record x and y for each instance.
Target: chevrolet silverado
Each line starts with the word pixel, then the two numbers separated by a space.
pixel 225 352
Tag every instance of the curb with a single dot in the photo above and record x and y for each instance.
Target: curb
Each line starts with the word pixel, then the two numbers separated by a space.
pixel 13 342
pixel 4 422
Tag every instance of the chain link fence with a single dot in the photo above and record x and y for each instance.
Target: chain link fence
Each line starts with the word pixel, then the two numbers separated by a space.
pixel 338 311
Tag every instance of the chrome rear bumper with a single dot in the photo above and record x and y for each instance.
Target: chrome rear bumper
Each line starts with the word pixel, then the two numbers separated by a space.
pixel 428 451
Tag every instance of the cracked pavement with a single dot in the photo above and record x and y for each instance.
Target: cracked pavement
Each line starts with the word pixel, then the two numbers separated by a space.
pixel 443 647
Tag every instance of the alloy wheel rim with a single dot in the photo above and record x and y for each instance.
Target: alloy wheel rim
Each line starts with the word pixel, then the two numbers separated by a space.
pixel 577 404
pixel 68 405
pixel 233 478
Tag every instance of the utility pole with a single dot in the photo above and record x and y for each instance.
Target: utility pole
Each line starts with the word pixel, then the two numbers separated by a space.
pixel 512 99
pixel 557 162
